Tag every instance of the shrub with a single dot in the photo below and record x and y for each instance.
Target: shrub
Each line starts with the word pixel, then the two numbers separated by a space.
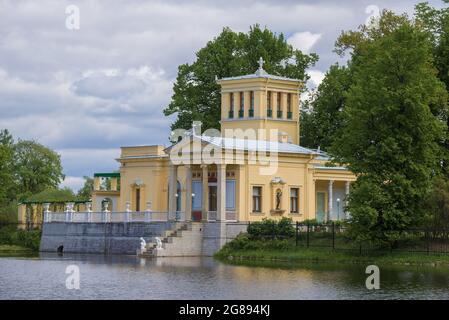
pixel 271 228
pixel 12 236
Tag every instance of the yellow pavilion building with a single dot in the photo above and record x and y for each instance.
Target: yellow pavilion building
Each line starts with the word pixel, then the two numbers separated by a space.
pixel 254 168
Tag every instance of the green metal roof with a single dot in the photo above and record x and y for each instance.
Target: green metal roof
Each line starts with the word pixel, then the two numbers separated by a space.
pixel 53 201
pixel 107 175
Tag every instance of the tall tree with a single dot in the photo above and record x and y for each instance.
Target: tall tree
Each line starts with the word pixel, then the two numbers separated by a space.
pixel 197 95
pixel 390 137
pixel 36 168
pixel 6 167
pixel 86 191
pixel 436 23
pixel 321 114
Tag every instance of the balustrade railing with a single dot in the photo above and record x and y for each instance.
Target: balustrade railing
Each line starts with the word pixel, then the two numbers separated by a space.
pixel 126 216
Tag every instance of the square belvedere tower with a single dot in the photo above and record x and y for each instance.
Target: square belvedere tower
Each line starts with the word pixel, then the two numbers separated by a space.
pixel 261 101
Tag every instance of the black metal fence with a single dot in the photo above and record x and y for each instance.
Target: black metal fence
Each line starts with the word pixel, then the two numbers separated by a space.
pixel 335 236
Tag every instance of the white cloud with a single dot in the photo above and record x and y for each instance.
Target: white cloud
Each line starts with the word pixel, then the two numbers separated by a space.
pixel 316 77
pixel 90 91
pixel 74 183
pixel 304 41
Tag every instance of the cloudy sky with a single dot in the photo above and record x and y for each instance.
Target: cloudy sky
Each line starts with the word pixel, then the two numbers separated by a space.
pixel 87 92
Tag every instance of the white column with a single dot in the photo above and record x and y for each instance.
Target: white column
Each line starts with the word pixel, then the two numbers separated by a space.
pixel 330 200
pixel 47 213
pixel 172 190
pixel 69 212
pixel 221 192
pixel 205 197
pixel 89 211
pixel 106 216
pixel 188 206
pixel 148 212
pixel 347 185
pixel 127 211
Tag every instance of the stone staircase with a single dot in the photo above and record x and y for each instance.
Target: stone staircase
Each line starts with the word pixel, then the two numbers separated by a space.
pixel 184 240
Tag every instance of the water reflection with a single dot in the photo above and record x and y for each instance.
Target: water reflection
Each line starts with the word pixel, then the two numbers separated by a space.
pixel 130 277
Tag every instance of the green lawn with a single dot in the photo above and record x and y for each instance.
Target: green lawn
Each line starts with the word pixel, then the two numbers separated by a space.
pixel 14 250
pixel 330 256
pixel 246 249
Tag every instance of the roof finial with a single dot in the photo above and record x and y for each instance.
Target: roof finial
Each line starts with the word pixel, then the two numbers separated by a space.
pixel 261 63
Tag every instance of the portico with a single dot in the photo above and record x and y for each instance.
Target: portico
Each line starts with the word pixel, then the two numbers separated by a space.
pixel 210 192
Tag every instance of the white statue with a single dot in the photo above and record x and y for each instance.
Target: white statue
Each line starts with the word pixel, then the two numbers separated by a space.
pixel 158 243
pixel 143 245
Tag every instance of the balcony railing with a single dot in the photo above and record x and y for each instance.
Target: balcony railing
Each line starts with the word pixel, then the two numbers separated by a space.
pixel 289 115
pixel 269 113
pixel 279 114
pixel 241 113
pixel 113 217
pixel 231 114
pixel 251 113
pixel 127 216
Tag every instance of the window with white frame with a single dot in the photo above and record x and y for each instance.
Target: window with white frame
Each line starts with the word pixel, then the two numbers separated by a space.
pixel 257 199
pixel 294 200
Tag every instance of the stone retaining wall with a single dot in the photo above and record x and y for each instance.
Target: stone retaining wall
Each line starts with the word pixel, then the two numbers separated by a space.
pixel 124 238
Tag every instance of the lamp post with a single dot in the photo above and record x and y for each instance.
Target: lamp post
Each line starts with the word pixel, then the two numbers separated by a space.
pixel 338 209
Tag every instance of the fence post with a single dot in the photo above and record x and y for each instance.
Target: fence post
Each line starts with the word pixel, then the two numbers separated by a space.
pixel 297 232
pixel 308 231
pixel 428 241
pixel 333 235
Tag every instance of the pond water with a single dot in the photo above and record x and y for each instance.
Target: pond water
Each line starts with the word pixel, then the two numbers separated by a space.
pixel 128 277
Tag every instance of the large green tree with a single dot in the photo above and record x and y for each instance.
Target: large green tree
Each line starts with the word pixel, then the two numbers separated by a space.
pixel 197 95
pixel 86 191
pixel 436 23
pixel 390 136
pixel 6 167
pixel 321 114
pixel 36 168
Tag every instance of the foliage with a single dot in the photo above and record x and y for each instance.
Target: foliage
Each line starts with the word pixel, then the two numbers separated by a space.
pixel 436 23
pixel 271 228
pixel 26 168
pixel 86 191
pixel 248 242
pixel 35 168
pixel 438 204
pixel 196 93
pixel 54 195
pixel 8 212
pixel 10 235
pixel 6 165
pixel 390 136
pixel 321 114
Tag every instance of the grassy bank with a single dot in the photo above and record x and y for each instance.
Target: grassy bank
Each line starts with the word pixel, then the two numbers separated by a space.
pixel 242 249
pixel 14 240
pixel 13 250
